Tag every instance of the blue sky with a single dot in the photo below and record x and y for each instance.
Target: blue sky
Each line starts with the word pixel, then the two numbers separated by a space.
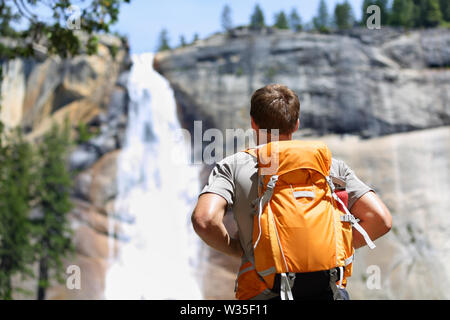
pixel 142 20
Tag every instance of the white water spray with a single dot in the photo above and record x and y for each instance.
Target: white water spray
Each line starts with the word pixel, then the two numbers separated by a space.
pixel 156 197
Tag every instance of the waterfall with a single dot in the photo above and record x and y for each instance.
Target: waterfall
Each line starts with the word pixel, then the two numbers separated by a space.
pixel 156 195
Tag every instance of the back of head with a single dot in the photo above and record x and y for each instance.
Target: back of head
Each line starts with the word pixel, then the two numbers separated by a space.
pixel 275 107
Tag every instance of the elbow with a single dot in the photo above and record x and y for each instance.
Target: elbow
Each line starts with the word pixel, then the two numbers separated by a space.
pixel 387 220
pixel 201 221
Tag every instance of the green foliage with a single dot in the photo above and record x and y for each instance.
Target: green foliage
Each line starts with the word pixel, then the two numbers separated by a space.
pixel 281 21
pixel 270 74
pixel 445 9
pixel 51 229
pixel 163 41
pixel 410 13
pixel 295 22
pixel 37 177
pixel 239 71
pixel 343 16
pixel 402 13
pixel 257 19
pixel 182 41
pixel 321 21
pixel 433 15
pixel 16 193
pixel 384 10
pixel 84 133
pixel 56 35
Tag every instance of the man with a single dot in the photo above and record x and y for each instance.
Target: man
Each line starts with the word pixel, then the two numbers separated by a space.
pixel 233 184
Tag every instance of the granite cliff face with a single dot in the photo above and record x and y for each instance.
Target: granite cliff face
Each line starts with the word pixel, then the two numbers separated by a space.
pixel 379 98
pixel 365 82
pixel 91 90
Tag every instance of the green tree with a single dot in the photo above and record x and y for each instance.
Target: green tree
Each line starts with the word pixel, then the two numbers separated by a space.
pixel 402 13
pixel 384 10
pixel 227 23
pixel 445 9
pixel 433 15
pixel 295 21
pixel 322 21
pixel 427 13
pixel 343 16
pixel 257 19
pixel 163 41
pixel 16 193
pixel 195 38
pixel 183 42
pixel 51 230
pixel 57 34
pixel 281 21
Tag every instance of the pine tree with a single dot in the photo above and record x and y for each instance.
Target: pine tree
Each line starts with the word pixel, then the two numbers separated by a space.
pixel 322 21
pixel 163 41
pixel 257 19
pixel 365 15
pixel 343 16
pixel 195 38
pixel 384 10
pixel 445 9
pixel 183 41
pixel 51 229
pixel 433 15
pixel 226 20
pixel 295 22
pixel 16 181
pixel 402 13
pixel 281 21
pixel 427 13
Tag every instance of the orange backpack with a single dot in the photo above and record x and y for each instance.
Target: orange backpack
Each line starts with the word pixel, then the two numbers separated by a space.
pixel 300 224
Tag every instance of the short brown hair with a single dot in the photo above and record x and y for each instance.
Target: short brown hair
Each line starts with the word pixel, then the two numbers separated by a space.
pixel 275 107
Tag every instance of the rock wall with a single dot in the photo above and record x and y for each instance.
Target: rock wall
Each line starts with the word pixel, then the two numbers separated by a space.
pixel 364 82
pixel 410 172
pixel 92 90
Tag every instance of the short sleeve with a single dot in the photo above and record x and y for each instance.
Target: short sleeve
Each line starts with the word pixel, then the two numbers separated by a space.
pixel 354 186
pixel 221 181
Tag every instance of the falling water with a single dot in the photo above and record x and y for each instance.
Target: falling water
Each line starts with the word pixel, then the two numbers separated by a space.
pixel 156 196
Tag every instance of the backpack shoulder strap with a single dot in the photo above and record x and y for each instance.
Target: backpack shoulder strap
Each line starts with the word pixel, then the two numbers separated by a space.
pixel 252 152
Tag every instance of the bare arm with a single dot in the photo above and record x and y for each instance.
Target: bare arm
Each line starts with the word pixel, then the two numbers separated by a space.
pixel 207 220
pixel 374 215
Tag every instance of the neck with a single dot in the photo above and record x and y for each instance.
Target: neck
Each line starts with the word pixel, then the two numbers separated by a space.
pixel 269 138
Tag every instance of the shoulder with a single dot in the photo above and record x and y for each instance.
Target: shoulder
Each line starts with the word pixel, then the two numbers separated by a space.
pixel 237 159
pixel 339 168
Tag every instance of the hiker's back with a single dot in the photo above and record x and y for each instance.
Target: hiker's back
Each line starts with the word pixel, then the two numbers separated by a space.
pixel 300 227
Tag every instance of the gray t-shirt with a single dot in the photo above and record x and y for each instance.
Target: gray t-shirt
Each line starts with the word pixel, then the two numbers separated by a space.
pixel 235 179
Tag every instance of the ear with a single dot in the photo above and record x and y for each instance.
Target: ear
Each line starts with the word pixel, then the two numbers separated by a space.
pixel 298 125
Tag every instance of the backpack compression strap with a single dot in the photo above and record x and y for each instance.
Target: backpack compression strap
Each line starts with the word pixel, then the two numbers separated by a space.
pixel 348 217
